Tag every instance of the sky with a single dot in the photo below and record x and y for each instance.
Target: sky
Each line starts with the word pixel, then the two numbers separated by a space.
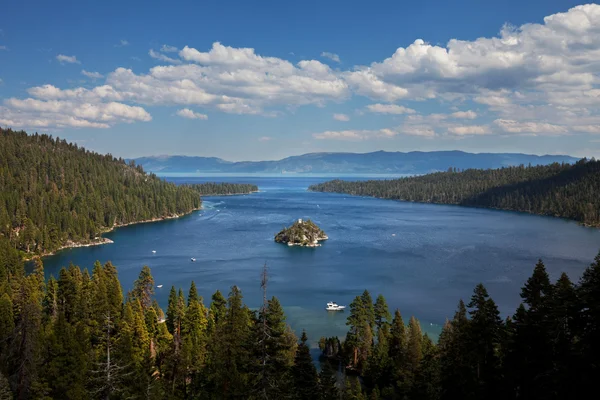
pixel 245 80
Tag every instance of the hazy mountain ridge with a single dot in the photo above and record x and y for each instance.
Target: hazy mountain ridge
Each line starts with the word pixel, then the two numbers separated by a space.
pixel 380 162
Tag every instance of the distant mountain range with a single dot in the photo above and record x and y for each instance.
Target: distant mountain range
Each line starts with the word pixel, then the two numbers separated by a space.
pixel 379 162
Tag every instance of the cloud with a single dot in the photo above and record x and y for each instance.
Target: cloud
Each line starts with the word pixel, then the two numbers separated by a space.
pixel 389 109
pixel 331 56
pixel 159 56
pixel 33 113
pixel 525 71
pixel 122 43
pixel 464 114
pixel 67 59
pixel 341 117
pixel 264 138
pixel 365 83
pixel 187 113
pixel 587 128
pixel 512 126
pixel 93 75
pixel 365 134
pixel 469 130
pixel 169 49
pixel 537 78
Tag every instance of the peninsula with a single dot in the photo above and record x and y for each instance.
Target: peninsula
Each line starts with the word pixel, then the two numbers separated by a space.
pixel 301 233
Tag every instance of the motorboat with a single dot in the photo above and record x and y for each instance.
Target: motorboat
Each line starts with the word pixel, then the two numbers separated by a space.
pixel 332 306
pixel 193 259
pixel 159 286
pixel 153 251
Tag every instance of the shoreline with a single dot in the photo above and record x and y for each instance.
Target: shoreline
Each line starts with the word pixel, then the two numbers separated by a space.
pixel 580 223
pixel 99 240
pixel 229 194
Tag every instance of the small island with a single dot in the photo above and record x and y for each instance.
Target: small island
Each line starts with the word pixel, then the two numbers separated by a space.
pixel 301 233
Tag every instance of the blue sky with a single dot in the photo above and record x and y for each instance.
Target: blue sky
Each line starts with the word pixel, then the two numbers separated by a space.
pixel 264 80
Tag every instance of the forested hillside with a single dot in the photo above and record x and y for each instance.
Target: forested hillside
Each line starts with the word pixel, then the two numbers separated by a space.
pixel 79 337
pixel 217 189
pixel 561 190
pixel 53 193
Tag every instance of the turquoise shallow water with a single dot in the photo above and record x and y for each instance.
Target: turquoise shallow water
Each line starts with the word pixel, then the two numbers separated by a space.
pixel 422 257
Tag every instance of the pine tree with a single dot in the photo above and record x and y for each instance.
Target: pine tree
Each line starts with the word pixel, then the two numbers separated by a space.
pixel 194 337
pixel 172 310
pixel 398 351
pixel 382 314
pixel 426 383
pixel 7 323
pixel 304 372
pixel 531 357
pixel 359 339
pixel 414 350
pixel 486 331
pixel 367 302
pixel 457 377
pixel 589 327
pixel 143 288
pixel 328 382
pixel 229 353
pixel 218 308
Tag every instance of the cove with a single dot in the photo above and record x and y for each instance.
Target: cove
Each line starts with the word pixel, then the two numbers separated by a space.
pixel 423 258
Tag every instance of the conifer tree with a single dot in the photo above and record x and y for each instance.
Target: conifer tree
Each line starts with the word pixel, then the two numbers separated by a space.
pixel 143 288
pixel 486 332
pixel 304 372
pixel 218 308
pixel 382 314
pixel 456 372
pixel 328 382
pixel 194 337
pixel 589 314
pixel 7 324
pixel 172 310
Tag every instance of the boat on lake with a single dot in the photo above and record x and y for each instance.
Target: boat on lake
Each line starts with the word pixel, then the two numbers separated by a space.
pixel 332 306
pixel 159 286
pixel 192 259
pixel 153 251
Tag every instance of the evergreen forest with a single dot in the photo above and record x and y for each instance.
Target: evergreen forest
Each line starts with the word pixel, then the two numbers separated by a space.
pixel 78 336
pixel 559 190
pixel 223 188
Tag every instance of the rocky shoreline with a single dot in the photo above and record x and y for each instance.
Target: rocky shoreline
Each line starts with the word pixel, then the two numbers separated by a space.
pixel 102 240
pixel 302 233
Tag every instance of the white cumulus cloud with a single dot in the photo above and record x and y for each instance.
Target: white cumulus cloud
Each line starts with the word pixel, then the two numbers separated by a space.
pixel 165 48
pixel 389 109
pixel 469 130
pixel 331 56
pixel 162 57
pixel 93 75
pixel 67 59
pixel 464 114
pixel 187 113
pixel 513 126
pixel 341 117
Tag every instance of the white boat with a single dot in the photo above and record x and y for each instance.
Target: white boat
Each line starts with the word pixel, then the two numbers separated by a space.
pixel 193 259
pixel 153 251
pixel 332 306
pixel 159 286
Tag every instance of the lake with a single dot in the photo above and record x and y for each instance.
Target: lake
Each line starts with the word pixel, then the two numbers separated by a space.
pixel 423 258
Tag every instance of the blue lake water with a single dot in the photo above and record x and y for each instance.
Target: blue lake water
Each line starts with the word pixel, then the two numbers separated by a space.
pixel 423 258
